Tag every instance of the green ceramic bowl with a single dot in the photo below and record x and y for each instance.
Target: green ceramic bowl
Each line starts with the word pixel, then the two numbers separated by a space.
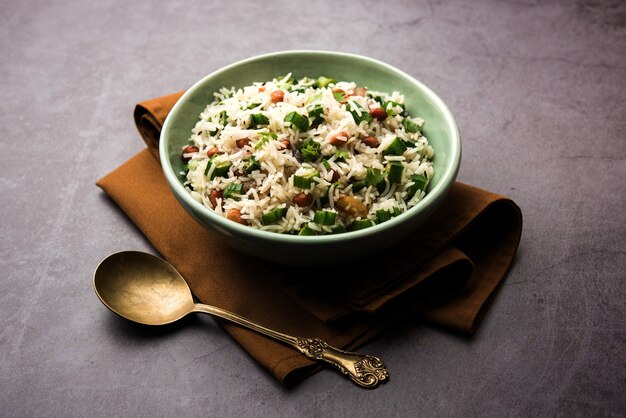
pixel 440 129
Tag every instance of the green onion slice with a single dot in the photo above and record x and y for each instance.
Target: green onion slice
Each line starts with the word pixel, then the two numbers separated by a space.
pixel 273 216
pixel 325 217
pixel 397 147
pixel 306 231
pixel 251 164
pixel 305 181
pixel 310 150
pixel 220 170
pixel 410 125
pixel 394 171
pixel 258 119
pixel 364 116
pixel 298 121
pixel 361 224
pixel 316 115
pixel 420 182
pixel 325 81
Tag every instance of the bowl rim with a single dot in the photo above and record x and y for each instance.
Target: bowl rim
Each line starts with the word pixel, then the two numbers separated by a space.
pixel 445 182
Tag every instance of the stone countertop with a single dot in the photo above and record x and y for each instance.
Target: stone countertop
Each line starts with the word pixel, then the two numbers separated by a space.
pixel 539 92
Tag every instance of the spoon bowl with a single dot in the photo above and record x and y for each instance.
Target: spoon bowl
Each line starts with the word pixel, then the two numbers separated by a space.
pixel 142 288
pixel 146 289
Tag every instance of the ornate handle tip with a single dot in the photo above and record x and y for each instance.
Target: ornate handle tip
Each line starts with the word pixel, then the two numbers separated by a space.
pixel 366 371
pixel 369 372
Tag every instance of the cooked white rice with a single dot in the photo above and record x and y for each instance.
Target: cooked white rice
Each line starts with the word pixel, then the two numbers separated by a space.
pixel 269 184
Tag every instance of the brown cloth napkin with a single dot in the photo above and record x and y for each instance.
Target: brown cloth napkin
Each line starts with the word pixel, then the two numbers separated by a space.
pixel 445 273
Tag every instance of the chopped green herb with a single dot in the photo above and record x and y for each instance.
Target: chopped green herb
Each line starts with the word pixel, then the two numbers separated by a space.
pixel 324 217
pixel 273 216
pixel 397 147
pixel 232 190
pixel 310 150
pixel 326 164
pixel 253 105
pixel 374 177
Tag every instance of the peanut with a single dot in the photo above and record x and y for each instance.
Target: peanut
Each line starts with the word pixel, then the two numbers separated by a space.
pixel 215 194
pixel 277 96
pixel 378 113
pixel 242 142
pixel 359 91
pixel 189 150
pixel 212 152
pixel 370 141
pixel 235 215
pixel 339 138
pixel 302 199
pixel 352 206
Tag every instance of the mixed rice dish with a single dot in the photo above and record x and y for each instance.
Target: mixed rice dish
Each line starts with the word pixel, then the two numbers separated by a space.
pixel 308 156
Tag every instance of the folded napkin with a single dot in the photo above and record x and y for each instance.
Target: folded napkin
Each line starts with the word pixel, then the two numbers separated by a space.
pixel 445 273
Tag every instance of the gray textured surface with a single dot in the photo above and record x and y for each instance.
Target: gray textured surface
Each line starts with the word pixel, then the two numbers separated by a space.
pixel 539 92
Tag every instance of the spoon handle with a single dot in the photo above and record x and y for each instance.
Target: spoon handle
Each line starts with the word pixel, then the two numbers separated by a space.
pixel 364 370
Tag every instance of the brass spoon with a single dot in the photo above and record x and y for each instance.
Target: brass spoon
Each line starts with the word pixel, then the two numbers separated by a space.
pixel 148 290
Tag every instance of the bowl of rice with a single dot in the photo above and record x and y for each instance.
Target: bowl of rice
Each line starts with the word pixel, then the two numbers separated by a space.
pixel 310 157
